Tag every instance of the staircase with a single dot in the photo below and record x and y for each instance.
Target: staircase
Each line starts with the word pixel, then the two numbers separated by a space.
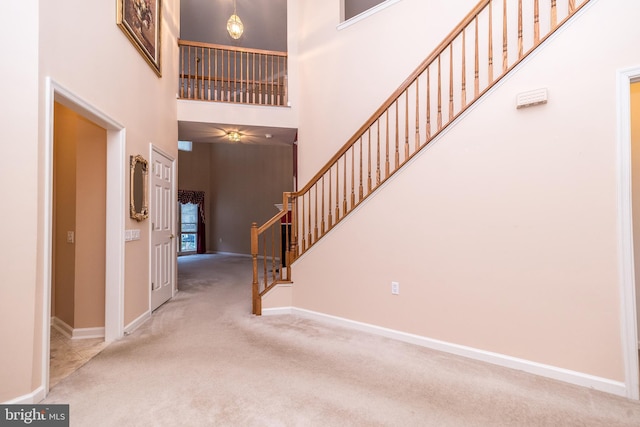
pixel 489 42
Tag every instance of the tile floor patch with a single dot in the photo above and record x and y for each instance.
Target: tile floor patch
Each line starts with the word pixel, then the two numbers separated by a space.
pixel 67 355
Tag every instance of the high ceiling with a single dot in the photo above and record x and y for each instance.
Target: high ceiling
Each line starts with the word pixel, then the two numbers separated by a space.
pixel 265 22
pixel 265 27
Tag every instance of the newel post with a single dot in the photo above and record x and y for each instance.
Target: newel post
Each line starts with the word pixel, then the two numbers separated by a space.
pixel 257 304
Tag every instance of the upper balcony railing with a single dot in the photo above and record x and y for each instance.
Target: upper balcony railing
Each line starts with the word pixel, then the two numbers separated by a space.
pixel 211 72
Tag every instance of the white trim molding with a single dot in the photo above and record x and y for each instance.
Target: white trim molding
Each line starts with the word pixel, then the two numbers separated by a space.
pixel 552 372
pixel 277 311
pixel 32 398
pixel 87 333
pixel 62 327
pixel 363 15
pixel 76 333
pixel 628 322
pixel 137 322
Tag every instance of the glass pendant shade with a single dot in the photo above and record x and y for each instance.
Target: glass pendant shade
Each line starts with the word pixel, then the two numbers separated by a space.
pixel 235 27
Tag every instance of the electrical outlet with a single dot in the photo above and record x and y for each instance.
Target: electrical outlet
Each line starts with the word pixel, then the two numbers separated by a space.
pixel 70 237
pixel 395 288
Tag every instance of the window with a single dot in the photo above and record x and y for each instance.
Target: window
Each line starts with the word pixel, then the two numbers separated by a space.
pixel 188 228
pixel 353 11
pixel 356 7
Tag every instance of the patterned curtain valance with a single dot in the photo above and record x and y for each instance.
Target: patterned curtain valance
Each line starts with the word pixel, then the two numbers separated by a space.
pixel 195 197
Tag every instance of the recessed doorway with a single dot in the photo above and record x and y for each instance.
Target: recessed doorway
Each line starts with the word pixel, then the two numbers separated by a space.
pixel 113 224
pixel 78 249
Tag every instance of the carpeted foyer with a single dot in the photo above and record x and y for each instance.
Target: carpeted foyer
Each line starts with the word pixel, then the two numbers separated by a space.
pixel 204 360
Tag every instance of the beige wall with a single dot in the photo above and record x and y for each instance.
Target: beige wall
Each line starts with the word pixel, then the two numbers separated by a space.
pixel 114 79
pixel 64 196
pixel 80 205
pixel 90 239
pixel 18 173
pixel 503 234
pixel 242 182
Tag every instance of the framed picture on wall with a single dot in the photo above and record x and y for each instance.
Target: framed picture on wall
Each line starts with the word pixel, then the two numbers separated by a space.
pixel 140 21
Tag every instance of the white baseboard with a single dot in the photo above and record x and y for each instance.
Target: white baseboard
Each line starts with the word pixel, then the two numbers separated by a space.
pixel 62 327
pixel 553 372
pixel 76 333
pixel 86 333
pixel 230 253
pixel 32 398
pixel 277 311
pixel 137 322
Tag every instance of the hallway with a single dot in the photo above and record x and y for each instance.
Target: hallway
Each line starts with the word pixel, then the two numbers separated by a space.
pixel 203 359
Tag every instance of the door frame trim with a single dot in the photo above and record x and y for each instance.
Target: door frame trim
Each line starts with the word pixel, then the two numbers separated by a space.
pixel 115 206
pixel 628 309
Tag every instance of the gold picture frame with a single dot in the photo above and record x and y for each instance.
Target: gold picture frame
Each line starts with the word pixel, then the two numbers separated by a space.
pixel 141 21
pixel 138 181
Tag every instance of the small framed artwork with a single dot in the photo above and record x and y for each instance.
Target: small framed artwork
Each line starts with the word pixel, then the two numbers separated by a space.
pixel 140 21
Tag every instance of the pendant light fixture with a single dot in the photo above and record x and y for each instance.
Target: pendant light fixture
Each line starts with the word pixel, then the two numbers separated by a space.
pixel 234 24
pixel 234 136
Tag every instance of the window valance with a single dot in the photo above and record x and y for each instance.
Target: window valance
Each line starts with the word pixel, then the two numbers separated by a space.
pixel 194 197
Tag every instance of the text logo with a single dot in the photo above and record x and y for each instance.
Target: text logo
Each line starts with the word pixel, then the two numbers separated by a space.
pixel 34 415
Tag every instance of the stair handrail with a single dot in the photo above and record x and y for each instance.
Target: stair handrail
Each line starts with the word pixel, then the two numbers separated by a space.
pixel 421 68
pixel 309 227
pixel 262 283
pixel 394 96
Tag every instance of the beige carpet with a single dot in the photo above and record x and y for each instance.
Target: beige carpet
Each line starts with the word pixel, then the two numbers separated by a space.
pixel 203 360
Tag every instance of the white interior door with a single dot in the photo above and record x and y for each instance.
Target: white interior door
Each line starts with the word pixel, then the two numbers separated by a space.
pixel 163 249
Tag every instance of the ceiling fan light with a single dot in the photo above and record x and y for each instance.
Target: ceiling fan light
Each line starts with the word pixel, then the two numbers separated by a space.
pixel 235 26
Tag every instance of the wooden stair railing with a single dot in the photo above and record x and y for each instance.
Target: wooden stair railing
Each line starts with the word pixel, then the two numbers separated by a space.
pixel 271 256
pixel 212 72
pixel 453 77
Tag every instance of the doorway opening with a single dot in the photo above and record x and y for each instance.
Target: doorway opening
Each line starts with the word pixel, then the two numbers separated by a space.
pixel 78 242
pixel 629 237
pixel 112 247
